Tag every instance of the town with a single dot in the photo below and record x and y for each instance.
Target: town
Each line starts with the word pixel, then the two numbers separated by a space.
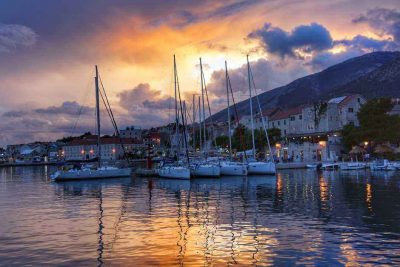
pixel 308 133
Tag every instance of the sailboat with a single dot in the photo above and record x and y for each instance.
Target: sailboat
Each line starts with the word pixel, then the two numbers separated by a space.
pixel 229 167
pixel 100 171
pixel 200 167
pixel 254 166
pixel 179 169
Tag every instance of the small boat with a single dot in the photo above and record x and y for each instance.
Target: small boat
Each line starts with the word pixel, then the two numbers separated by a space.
pixel 232 168
pixel 174 172
pixel 382 165
pixel 330 166
pixel 261 167
pixel 352 166
pixel 396 165
pixel 313 166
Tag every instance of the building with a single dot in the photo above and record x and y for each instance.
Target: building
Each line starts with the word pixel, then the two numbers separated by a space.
pixel 288 121
pixel 111 148
pixel 132 132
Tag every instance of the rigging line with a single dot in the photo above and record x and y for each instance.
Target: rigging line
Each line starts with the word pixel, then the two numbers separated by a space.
pixel 182 115
pixel 242 144
pixel 110 113
pixel 82 105
pixel 262 116
pixel 209 110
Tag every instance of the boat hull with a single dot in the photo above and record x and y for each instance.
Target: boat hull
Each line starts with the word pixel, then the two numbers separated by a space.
pixel 352 166
pixel 182 173
pixel 233 169
pixel 206 170
pixel 261 168
pixel 92 174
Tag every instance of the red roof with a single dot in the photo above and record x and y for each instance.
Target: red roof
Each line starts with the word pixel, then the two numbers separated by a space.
pixel 284 114
pixel 103 140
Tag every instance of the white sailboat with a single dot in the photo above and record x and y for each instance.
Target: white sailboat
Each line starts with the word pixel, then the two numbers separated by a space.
pixel 229 167
pixel 178 170
pixel 201 168
pixel 100 171
pixel 254 166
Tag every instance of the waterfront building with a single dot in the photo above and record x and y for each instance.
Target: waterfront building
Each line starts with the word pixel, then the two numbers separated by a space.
pixel 111 149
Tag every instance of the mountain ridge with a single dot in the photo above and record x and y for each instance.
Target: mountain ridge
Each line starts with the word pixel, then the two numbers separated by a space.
pixel 376 74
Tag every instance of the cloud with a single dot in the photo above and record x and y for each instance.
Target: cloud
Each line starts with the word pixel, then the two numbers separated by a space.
pixel 385 21
pixel 14 113
pixel 133 99
pixel 13 37
pixel 326 59
pixel 302 39
pixel 68 107
pixel 164 103
pixel 367 44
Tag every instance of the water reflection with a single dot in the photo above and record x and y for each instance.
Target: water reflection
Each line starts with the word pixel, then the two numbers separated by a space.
pixel 297 217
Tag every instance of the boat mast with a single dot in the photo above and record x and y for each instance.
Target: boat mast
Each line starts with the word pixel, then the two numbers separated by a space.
pixel 176 139
pixel 229 114
pixel 251 108
pixel 193 123
pixel 96 81
pixel 200 139
pixel 204 112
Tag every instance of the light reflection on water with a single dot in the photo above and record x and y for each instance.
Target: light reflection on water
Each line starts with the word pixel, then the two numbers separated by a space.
pixel 298 217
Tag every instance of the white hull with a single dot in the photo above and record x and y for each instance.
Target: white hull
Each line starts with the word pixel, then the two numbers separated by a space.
pixel 174 172
pixel 259 167
pixel 352 166
pixel 329 166
pixel 312 166
pixel 206 170
pixel 382 165
pixel 233 168
pixel 87 174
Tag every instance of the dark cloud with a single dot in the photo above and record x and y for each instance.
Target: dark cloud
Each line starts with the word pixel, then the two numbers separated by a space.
pixel 134 98
pixel 68 108
pixel 306 38
pixel 164 103
pixel 361 43
pixel 13 37
pixel 14 113
pixel 326 59
pixel 383 20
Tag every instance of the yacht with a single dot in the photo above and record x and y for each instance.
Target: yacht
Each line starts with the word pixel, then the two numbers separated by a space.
pixel 99 171
pixel 352 166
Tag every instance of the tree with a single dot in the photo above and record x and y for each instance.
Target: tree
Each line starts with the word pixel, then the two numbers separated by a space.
pixel 274 135
pixel 375 123
pixel 351 136
pixel 222 141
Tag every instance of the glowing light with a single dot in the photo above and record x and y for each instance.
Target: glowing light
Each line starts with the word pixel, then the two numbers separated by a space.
pixel 113 150
pixel 322 143
pixel 278 145
pixel 365 143
pixel 91 151
pixel 82 151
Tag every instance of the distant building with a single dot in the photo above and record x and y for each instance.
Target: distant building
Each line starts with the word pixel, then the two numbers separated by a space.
pixel 132 132
pixel 111 149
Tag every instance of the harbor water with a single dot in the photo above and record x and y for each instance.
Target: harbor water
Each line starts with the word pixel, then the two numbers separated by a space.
pixel 298 217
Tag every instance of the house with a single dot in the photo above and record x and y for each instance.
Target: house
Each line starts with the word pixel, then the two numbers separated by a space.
pixel 288 120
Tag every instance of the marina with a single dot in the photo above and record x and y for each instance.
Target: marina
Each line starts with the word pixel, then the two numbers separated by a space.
pixel 303 217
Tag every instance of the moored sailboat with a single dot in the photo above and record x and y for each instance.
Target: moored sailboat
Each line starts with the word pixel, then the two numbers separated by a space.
pixel 99 171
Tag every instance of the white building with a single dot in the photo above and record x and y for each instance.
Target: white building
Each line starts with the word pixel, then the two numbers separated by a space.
pixel 131 132
pixel 111 148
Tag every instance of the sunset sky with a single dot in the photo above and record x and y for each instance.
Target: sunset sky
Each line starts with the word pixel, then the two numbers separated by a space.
pixel 48 49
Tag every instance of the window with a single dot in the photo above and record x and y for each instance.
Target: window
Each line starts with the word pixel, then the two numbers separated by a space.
pixel 300 117
pixel 284 132
pixel 292 118
pixel 284 122
pixel 351 110
pixel 279 123
pixel 273 125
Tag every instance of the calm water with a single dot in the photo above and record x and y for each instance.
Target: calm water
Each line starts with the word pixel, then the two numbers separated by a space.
pixel 299 217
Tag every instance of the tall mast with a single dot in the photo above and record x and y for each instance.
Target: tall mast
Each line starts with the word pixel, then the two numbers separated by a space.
pixel 229 114
pixel 200 139
pixel 204 112
pixel 193 122
pixel 251 108
pixel 176 139
pixel 96 82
